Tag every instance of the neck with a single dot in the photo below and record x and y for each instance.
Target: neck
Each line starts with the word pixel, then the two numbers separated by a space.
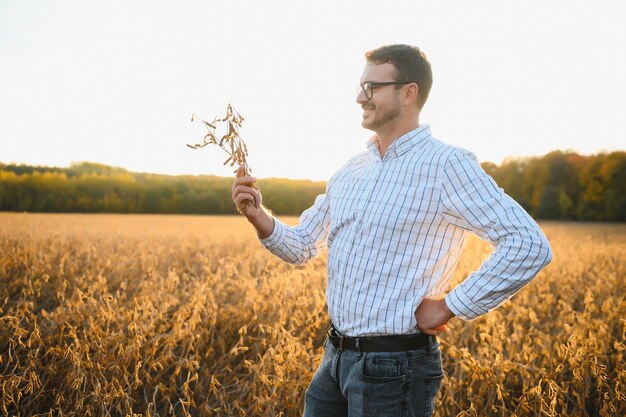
pixel 387 135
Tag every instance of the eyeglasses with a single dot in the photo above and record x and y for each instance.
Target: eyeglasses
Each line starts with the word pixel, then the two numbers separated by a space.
pixel 368 87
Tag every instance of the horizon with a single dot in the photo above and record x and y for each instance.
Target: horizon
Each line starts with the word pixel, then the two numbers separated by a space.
pixel 75 163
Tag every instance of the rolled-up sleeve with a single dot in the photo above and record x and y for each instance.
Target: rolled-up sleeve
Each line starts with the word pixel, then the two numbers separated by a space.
pixel 472 201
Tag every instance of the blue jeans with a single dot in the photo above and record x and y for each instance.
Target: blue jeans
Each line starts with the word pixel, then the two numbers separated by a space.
pixel 378 384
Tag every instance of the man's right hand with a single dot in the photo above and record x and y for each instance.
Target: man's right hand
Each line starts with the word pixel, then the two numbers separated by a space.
pixel 243 191
pixel 248 199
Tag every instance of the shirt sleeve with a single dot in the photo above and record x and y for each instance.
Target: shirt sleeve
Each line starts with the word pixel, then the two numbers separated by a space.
pixel 472 201
pixel 299 244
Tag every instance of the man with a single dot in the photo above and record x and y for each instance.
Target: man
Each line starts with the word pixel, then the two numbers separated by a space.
pixel 393 220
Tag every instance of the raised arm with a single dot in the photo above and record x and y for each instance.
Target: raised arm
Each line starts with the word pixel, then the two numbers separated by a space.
pixel 295 245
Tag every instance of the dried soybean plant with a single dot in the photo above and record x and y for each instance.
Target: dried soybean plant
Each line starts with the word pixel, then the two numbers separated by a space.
pixel 230 142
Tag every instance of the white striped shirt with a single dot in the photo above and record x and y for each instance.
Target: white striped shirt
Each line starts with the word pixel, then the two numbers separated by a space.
pixel 395 227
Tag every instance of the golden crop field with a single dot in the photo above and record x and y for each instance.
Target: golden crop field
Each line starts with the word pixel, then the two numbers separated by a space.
pixel 189 315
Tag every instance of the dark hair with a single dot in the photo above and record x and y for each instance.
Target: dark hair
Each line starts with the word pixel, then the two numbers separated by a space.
pixel 410 63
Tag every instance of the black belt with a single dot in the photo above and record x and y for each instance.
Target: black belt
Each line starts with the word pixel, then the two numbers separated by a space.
pixel 391 343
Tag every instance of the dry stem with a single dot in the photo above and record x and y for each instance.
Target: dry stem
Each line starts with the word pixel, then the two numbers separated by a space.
pixel 231 142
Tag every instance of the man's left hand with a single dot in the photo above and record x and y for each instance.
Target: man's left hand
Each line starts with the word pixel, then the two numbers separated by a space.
pixel 433 315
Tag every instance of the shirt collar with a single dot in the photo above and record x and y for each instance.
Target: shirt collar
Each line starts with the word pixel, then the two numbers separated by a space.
pixel 402 144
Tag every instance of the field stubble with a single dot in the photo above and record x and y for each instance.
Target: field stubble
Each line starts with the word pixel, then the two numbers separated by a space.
pixel 189 315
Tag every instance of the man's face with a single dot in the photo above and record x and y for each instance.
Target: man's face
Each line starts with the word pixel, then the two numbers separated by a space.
pixel 384 106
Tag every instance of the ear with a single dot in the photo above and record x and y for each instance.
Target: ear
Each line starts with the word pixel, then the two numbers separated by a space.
pixel 410 96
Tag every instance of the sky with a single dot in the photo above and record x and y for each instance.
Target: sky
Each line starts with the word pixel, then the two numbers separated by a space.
pixel 116 82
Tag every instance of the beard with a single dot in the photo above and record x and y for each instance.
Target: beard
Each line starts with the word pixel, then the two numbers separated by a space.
pixel 379 117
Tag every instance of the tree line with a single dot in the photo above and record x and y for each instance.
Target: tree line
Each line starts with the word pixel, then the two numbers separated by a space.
pixel 566 186
pixel 97 188
pixel 559 185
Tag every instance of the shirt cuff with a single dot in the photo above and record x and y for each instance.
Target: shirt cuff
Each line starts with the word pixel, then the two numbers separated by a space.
pixel 274 238
pixel 462 306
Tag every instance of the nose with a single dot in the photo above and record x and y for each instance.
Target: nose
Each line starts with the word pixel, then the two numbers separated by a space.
pixel 360 97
